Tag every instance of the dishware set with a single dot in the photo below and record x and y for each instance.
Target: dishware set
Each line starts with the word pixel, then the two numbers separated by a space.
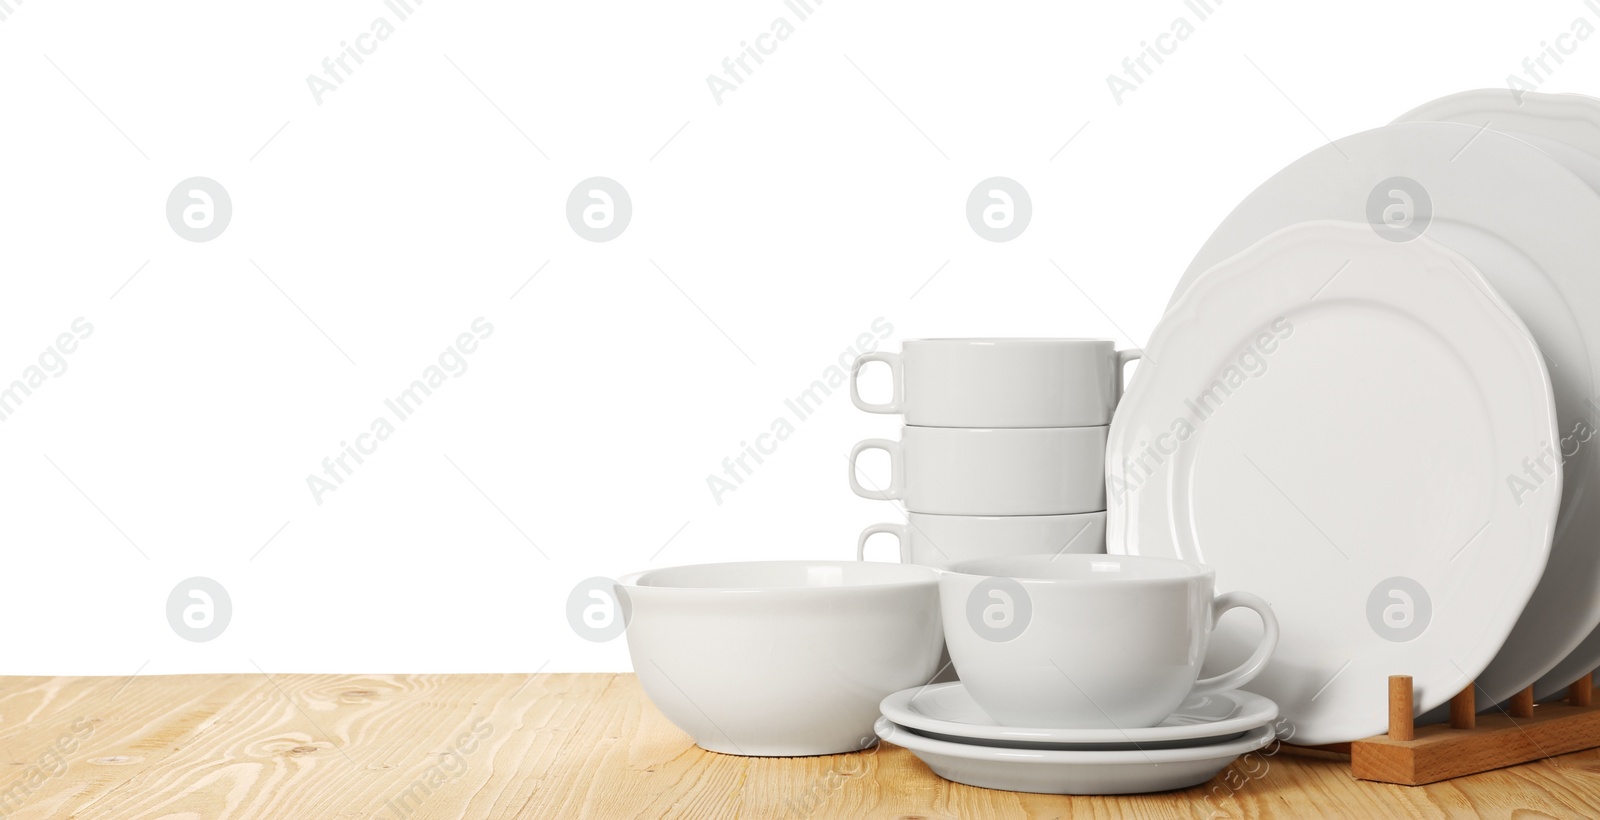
pixel 1367 416
pixel 1076 667
pixel 1003 447
pixel 1085 683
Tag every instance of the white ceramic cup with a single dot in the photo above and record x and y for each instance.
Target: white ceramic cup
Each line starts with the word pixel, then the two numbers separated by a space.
pixel 996 471
pixel 781 658
pixel 941 540
pixel 1089 641
pixel 1001 382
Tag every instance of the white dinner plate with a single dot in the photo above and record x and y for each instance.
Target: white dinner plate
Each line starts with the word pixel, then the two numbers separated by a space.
pixel 1528 223
pixel 1052 772
pixel 1332 421
pixel 946 711
pixel 1566 126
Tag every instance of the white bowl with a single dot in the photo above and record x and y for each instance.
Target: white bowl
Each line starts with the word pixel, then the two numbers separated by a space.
pixel 781 658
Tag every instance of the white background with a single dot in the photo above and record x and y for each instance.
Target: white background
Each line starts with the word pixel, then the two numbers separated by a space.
pixel 768 232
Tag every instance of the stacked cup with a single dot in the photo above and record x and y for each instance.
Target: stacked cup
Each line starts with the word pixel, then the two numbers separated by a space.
pixel 1003 449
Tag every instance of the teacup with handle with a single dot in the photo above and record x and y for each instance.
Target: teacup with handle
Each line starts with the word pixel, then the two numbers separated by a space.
pixel 992 471
pixel 1089 641
pixel 940 540
pixel 983 382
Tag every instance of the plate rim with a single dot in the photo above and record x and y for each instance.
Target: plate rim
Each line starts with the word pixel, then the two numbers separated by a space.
pixel 1562 111
pixel 905 737
pixel 1260 710
pixel 1565 279
pixel 1515 595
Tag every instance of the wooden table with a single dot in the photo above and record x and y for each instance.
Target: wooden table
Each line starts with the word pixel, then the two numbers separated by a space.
pixel 536 746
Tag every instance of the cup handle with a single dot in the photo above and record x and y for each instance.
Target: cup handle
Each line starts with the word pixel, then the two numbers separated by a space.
pixel 1248 670
pixel 897 530
pixel 897 469
pixel 1123 358
pixel 896 372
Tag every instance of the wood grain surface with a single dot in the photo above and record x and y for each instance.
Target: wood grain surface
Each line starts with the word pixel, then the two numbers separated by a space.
pixel 537 746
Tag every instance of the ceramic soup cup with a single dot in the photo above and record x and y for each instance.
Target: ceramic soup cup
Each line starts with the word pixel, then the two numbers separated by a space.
pixel 1000 382
pixel 996 471
pixel 941 540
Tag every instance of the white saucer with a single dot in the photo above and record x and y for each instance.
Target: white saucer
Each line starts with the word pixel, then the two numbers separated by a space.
pixel 1053 772
pixel 946 711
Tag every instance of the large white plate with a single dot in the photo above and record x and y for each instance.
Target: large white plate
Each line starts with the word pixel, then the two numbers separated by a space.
pixel 1331 420
pixel 1528 223
pixel 1050 772
pixel 1566 126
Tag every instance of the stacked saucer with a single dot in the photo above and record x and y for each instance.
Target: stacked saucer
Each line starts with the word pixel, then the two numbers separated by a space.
pixel 943 726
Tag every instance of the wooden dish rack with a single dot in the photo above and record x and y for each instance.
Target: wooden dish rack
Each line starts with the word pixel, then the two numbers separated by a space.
pixel 1470 743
